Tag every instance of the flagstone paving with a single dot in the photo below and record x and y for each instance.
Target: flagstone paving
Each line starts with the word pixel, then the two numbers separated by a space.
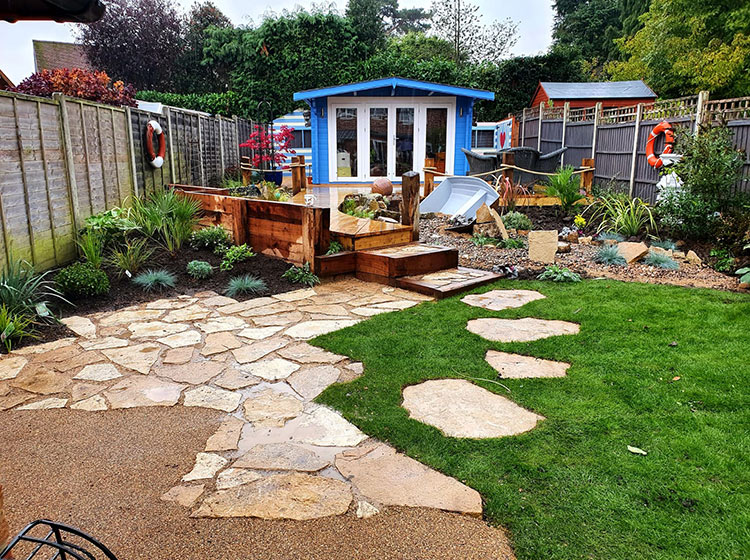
pixel 276 454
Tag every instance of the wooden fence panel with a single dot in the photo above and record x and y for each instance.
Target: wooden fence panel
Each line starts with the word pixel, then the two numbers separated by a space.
pixel 551 135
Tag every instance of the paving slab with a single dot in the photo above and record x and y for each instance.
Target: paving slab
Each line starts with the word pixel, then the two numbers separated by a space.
pixel 139 391
pixel 281 457
pixel 515 366
pixel 520 330
pixel 497 300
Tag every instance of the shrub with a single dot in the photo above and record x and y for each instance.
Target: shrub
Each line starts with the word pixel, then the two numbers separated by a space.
pixel 511 243
pixel 744 274
pixel 82 280
pixel 579 222
pixel 26 293
pixel 685 214
pixel 723 260
pixel 517 221
pixel 610 255
pixel 166 217
pixel 482 240
pixel 91 245
pixel 111 225
pixel 209 238
pixel 666 244
pixel 556 273
pixel 14 327
pixel 235 254
pixel 240 285
pixel 130 258
pixel 76 82
pixel 624 215
pixel 226 103
pixel 510 193
pixel 301 275
pixel 200 270
pixel 152 280
pixel 660 260
pixel 565 185
pixel 334 247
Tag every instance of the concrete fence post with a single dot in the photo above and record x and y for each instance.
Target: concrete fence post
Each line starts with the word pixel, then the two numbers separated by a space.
pixel 634 157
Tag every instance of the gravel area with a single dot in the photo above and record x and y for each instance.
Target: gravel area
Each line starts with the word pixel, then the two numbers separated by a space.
pixel 104 473
pixel 580 259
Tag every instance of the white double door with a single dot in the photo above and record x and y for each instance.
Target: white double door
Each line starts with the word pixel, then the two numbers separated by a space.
pixel 381 137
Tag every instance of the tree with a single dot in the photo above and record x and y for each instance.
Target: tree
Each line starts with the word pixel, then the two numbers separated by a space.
pixel 138 41
pixel 366 17
pixel 686 46
pixel 420 47
pixel 459 22
pixel 588 27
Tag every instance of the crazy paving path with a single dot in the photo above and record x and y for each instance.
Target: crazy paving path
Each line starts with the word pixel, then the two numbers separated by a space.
pixel 457 407
pixel 276 454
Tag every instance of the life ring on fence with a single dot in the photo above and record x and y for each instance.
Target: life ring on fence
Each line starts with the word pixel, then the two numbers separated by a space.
pixel 156 160
pixel 654 160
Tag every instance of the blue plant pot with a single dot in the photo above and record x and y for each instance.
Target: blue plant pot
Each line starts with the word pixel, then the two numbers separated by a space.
pixel 274 176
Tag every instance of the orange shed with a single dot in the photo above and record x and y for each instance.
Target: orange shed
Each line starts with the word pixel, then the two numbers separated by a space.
pixel 587 94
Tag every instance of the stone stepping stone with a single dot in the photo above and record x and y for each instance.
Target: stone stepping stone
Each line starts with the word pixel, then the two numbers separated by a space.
pixel 178 355
pixel 155 329
pixel 170 303
pixel 461 409
pixel 11 366
pixel 41 380
pixel 92 404
pixel 137 391
pixel 104 343
pixel 206 466
pixel 82 326
pixel 311 381
pixel 327 428
pixel 82 391
pixel 98 372
pixel 271 408
pixel 211 397
pixel 393 479
pixel 218 301
pixel 45 404
pixel 223 324
pixel 127 317
pixel 497 300
pixel 190 313
pixel 9 401
pixel 271 370
pixel 515 366
pixel 271 309
pixel 44 347
pixel 83 359
pixel 216 343
pixel 259 333
pixel 227 436
pixel 520 330
pixel 230 478
pixel 186 496
pixel 336 310
pixel 282 319
pixel 234 378
pixel 195 373
pixel 311 329
pixel 246 305
pixel 179 340
pixel 139 357
pixel 305 353
pixel 257 350
pixel 281 496
pixel 369 311
pixel 281 457
pixel 296 295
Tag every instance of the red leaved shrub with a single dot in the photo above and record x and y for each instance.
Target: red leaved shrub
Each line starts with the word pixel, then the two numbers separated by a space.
pixel 75 82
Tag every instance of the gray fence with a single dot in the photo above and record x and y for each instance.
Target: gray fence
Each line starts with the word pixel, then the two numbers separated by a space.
pixel 616 138
pixel 64 159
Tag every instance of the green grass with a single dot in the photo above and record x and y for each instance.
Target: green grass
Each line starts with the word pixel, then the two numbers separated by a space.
pixel 569 489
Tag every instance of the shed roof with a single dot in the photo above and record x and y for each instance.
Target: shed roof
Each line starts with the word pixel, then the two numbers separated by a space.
pixel 394 82
pixel 597 90
pixel 49 55
pixel 5 81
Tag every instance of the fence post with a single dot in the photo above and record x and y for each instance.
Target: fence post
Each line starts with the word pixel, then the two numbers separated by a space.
pixel 638 117
pixel 200 153
pixel 700 110
pixel 316 233
pixel 523 127
pixel 508 159
pixel 587 177
pixel 25 183
pixel 539 128
pixel 69 164
pixel 410 202
pixel 566 111
pixel 131 149
pixel 171 147
pixel 221 146
pixel 597 112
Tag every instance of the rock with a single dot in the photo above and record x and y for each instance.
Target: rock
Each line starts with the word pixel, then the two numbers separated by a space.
pixel 281 496
pixel 653 250
pixel 155 329
pixel 45 404
pixel 631 251
pixel 486 229
pixel 515 366
pixel 230 478
pixel 227 436
pixel 137 391
pixel 41 380
pixel 10 366
pixel 393 479
pixel 497 300
pixel 369 311
pixel 82 326
pixel 216 343
pixel 82 391
pixel 190 313
pixel 258 333
pixel 271 370
pixel 170 303
pixel 269 407
pixel 128 316
pixel 304 353
pixel 563 247
pixel 218 301
pixel 206 466
pixel 484 215
pixel 744 285
pixel 327 428
pixel 311 329
pixel 195 373
pixel 383 186
pixel 458 408
pixel 281 457
pixel 272 309
pixel 92 404
pixel 82 359
pixel 311 381
pixel 211 397
pixel 499 223
pixel 335 310
pixel 139 357
pixel 692 258
pixel 178 355
pixel 585 240
pixel 186 496
pixel 257 350
pixel 366 510
pixel 572 237
pixel 104 343
pixel 282 319
pixel 98 372
pixel 234 378
pixel 543 246
pixel 222 324
pixel 245 305
pixel 520 330
pixel 179 340
pixel 678 254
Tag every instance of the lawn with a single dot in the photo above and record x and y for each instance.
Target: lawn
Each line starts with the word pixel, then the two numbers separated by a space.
pixel 661 368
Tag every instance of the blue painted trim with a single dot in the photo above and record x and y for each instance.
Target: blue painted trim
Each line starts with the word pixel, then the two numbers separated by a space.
pixel 393 83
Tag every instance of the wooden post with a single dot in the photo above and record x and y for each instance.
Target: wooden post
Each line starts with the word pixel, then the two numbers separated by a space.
pixel 429 180
pixel 247 175
pixel 508 159
pixel 316 233
pixel 566 112
pixel 69 164
pixel 302 172
pixel 587 177
pixel 410 202
pixel 131 149
pixel 24 184
pixel 221 146
pixel 240 221
pixel 52 228
pixel 523 128
pixel 700 110
pixel 200 153
pixel 597 112
pixel 634 157
pixel 539 128
pixel 296 178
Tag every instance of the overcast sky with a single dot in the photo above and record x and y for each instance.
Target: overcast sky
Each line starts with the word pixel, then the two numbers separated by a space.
pixel 533 16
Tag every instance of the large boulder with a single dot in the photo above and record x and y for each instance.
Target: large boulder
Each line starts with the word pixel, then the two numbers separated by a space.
pixel 632 252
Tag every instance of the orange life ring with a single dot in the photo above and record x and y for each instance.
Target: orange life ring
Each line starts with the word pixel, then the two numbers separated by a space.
pixel 156 160
pixel 654 160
